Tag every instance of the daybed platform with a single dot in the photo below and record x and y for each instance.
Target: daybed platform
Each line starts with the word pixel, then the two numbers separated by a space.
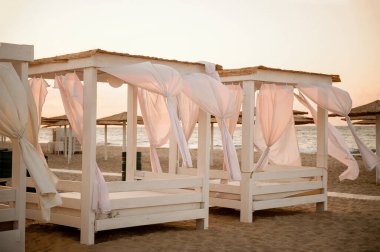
pixel 276 187
pixel 134 203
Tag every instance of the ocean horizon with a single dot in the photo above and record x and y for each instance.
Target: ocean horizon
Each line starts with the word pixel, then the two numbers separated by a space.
pixel 306 136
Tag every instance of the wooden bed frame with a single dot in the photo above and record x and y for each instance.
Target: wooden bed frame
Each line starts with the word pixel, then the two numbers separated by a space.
pixel 277 186
pixel 145 198
pixel 12 198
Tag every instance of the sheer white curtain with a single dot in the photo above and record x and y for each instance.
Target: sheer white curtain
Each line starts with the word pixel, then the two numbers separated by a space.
pixel 274 112
pixel 156 122
pixel 216 99
pixel 18 121
pixel 162 80
pixel 337 147
pixel 338 101
pixel 188 112
pixel 71 90
pixel 39 91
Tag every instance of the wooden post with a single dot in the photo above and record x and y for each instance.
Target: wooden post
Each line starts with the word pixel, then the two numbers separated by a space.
pixel 247 151
pixel 131 132
pixel 203 163
pixel 89 156
pixel 378 147
pixel 105 142
pixel 322 153
pixel 19 169
pixel 173 153
pixel 212 145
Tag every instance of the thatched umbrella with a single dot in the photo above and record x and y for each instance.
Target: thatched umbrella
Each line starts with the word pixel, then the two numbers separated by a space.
pixel 369 111
pixel 365 122
pixel 116 119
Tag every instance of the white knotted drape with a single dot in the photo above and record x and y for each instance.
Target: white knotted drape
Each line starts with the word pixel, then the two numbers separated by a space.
pixel 156 123
pixel 71 90
pixel 162 80
pixel 215 98
pixel 339 101
pixel 18 121
pixel 274 112
pixel 337 147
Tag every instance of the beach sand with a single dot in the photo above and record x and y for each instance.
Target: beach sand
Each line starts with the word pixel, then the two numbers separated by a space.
pixel 348 225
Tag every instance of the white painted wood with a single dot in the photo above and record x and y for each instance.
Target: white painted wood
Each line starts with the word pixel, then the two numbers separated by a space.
pixel 8 214
pixel 378 147
pixel 89 155
pixel 69 200
pixel 105 143
pixel 7 194
pixel 131 132
pixel 280 78
pixel 247 158
pixel 11 241
pixel 153 175
pixel 288 174
pixel 212 145
pixel 139 220
pixel 203 163
pixel 173 153
pixel 18 167
pixel 60 219
pixel 65 143
pixel 121 186
pixel 13 52
pixel 147 199
pixel 267 204
pixel 322 153
pixel 286 187
pixel 131 212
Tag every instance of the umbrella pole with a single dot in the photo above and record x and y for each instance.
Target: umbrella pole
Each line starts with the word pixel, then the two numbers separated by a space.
pixel 105 143
pixel 378 147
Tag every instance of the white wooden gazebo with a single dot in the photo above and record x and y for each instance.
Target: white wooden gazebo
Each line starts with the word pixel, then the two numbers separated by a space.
pixel 250 194
pixel 12 199
pixel 153 198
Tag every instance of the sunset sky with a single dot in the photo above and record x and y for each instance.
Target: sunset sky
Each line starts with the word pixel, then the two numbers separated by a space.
pixel 327 36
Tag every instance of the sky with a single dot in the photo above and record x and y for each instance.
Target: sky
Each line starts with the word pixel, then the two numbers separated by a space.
pixel 325 36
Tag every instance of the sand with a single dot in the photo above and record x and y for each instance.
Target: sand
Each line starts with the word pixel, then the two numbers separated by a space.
pixel 348 225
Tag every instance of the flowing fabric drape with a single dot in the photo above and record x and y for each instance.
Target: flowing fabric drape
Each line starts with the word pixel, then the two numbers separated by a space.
pixel 337 147
pixel 71 90
pixel 215 98
pixel 339 101
pixel 274 111
pixel 39 91
pixel 162 80
pixel 156 123
pixel 18 121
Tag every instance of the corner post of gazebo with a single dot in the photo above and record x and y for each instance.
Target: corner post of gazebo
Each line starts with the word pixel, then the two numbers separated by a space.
pixel 247 153
pixel 378 147
pixel 131 132
pixel 19 168
pixel 173 151
pixel 322 121
pixel 89 155
pixel 203 164
pixel 212 144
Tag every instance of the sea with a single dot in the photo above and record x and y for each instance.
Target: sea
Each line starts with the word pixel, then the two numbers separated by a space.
pixel 306 137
